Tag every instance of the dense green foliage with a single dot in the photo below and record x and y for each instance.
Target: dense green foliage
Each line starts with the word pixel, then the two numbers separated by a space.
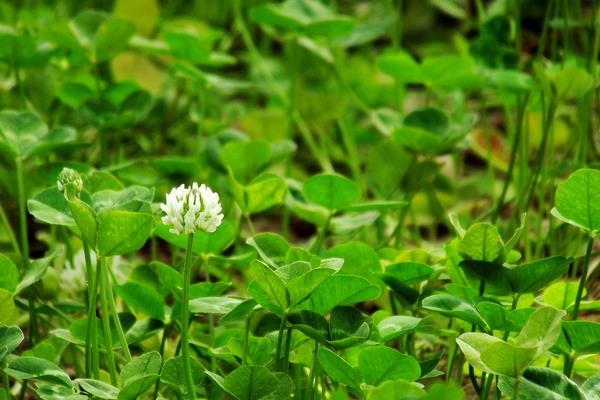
pixel 410 191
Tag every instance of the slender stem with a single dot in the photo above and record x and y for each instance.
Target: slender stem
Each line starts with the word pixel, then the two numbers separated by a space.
pixel 9 230
pixel 517 16
pixel 569 364
pixel 187 272
pixel 108 347
pixel 513 307
pixel 286 352
pixel 513 156
pixel 162 352
pixel 113 310
pixel 487 385
pixel 250 224
pixel 397 31
pixel 474 379
pixel 279 343
pixel 515 395
pixel 203 261
pixel 322 233
pixel 246 339
pixel 451 358
pixel 92 326
pixel 489 148
pixel 91 314
pixel 410 192
pixel 584 272
pixel 393 304
pixel 544 34
pixel 336 69
pixel 315 365
pixel 5 381
pixel 297 371
pixel 480 10
pixel 321 157
pixel 539 161
pixel 22 212
pixel 33 327
pixel 351 150
pixel 566 41
pixel 459 369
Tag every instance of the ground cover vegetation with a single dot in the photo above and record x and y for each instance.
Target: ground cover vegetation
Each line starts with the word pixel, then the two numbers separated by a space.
pixel 335 199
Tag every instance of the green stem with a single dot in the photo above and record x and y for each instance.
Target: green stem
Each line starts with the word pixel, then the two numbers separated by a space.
pixel 311 378
pixel 513 307
pixel 517 12
pixel 513 156
pixel 397 233
pixel 459 369
pixel 108 347
pixel 544 34
pixel 397 28
pixel 286 352
pixel 187 272
pixel 22 212
pixel 487 385
pixel 162 353
pixel 203 261
pixel 515 395
pixel 322 233
pixel 113 310
pixel 480 10
pixel 451 358
pixel 250 224
pixel 539 161
pixel 410 193
pixel 5 380
pixel 364 107
pixel 10 232
pixel 393 304
pixel 33 326
pixel 246 339
pixel 584 272
pixel 90 346
pixel 351 150
pixel 279 343
pixel 92 327
pixel 473 379
pixel 569 364
pixel 489 148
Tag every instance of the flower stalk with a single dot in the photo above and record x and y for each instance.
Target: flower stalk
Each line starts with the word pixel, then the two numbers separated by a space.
pixel 187 272
pixel 189 209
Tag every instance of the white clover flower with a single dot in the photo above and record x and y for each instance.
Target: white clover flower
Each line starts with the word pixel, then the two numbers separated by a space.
pixel 189 209
pixel 70 183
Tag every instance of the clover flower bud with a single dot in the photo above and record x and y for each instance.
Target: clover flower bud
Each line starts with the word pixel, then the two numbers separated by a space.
pixel 70 183
pixel 188 209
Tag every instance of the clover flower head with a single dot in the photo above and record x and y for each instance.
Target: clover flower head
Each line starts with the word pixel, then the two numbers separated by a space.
pixel 191 208
pixel 70 183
